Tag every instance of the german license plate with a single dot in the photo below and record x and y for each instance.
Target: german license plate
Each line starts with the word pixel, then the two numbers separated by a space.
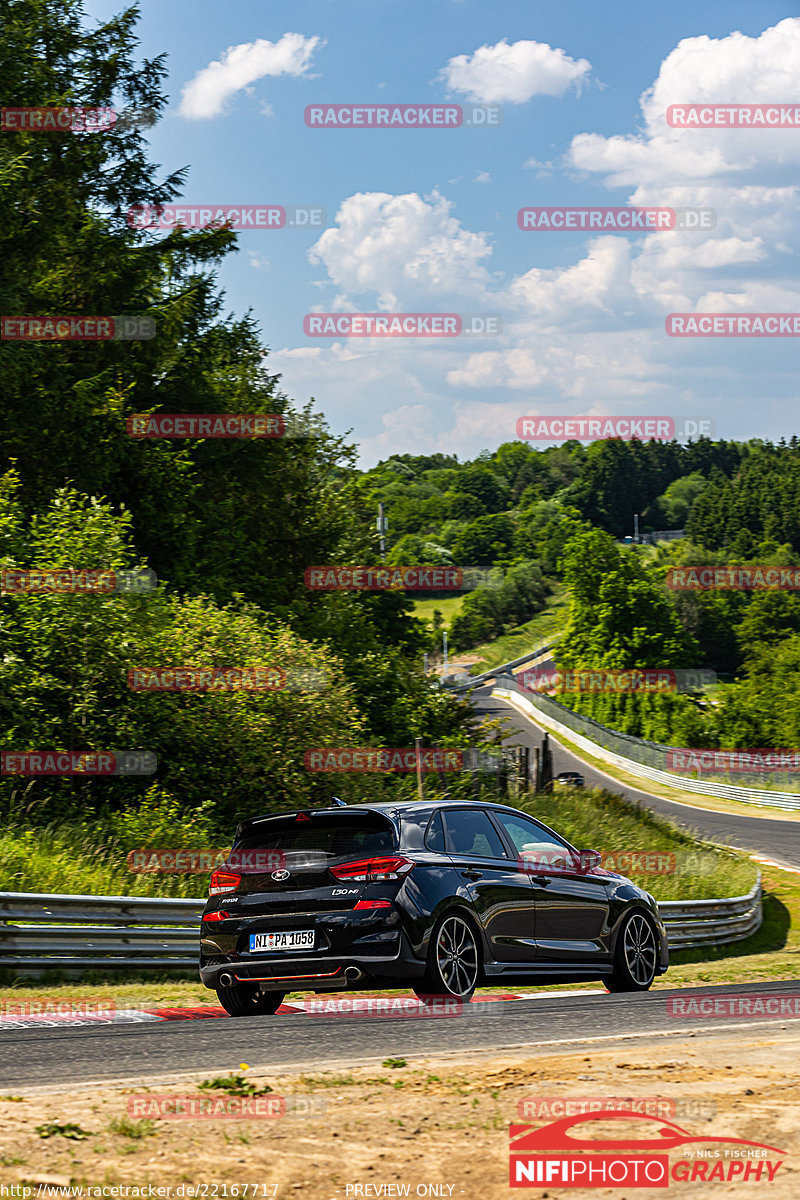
pixel 298 939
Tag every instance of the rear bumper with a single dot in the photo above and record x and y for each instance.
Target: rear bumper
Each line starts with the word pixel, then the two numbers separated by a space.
pixel 314 971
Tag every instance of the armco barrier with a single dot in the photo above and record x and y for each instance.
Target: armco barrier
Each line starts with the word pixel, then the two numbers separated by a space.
pixel 477 680
pixel 75 934
pixel 40 931
pixel 631 754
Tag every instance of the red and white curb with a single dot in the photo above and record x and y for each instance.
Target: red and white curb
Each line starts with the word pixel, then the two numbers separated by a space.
pixel 334 1004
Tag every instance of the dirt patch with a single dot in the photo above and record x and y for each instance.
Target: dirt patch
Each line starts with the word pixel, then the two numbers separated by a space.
pixel 437 1126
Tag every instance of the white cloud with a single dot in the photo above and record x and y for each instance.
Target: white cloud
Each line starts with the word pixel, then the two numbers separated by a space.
pixel 733 69
pixel 406 249
pixel 204 96
pixel 512 73
pixel 584 333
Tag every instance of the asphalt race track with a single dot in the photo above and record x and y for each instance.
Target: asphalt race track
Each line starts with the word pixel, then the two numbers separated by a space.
pixel 776 839
pixel 53 1058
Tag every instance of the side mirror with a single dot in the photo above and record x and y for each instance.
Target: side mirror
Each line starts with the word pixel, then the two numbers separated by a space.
pixel 588 859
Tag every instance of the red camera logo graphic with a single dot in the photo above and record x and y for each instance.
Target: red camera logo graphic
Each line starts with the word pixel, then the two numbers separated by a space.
pixel 565 1154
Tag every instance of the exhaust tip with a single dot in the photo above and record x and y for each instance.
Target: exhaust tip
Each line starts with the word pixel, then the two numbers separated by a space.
pixel 352 974
pixel 226 980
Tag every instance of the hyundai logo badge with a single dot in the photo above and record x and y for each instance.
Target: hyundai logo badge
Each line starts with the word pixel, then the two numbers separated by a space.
pixel 279 876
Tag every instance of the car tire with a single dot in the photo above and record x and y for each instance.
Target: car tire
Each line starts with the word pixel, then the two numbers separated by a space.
pixel 636 955
pixel 246 1000
pixel 454 961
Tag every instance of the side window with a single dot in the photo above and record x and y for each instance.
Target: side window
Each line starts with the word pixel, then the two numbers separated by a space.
pixel 471 832
pixel 434 838
pixel 531 841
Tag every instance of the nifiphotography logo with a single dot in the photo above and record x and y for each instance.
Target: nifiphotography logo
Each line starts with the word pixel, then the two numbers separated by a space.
pixel 562 1154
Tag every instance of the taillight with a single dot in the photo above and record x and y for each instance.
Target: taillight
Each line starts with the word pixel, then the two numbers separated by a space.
pixel 374 870
pixel 215 916
pixel 374 904
pixel 223 881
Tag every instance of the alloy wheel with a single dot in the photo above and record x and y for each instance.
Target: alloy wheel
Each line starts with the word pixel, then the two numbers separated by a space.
pixel 457 957
pixel 640 950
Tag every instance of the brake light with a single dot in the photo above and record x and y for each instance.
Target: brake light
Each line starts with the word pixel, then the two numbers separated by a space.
pixel 223 881
pixel 374 904
pixel 215 916
pixel 374 870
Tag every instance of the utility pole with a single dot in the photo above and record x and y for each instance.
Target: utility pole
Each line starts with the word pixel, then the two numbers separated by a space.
pixel 383 528
pixel 444 645
pixel 636 529
pixel 418 753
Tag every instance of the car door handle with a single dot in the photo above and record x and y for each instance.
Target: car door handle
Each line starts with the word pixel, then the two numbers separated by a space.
pixel 544 880
pixel 472 873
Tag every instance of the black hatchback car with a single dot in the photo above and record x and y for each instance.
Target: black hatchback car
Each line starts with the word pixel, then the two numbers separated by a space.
pixel 444 897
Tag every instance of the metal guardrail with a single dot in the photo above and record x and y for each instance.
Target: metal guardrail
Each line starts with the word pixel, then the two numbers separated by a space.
pixel 634 755
pixel 504 668
pixel 75 934
pixel 712 922
pixel 39 932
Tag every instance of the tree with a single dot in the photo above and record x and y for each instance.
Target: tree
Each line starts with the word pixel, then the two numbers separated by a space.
pixel 484 541
pixel 674 505
pixel 485 485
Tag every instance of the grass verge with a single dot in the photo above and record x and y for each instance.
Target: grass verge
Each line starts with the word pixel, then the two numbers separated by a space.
pixel 542 628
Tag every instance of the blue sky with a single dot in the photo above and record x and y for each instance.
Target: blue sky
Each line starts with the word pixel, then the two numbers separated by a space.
pixel 425 220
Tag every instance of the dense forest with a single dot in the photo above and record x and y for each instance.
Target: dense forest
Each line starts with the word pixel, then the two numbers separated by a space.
pixel 558 516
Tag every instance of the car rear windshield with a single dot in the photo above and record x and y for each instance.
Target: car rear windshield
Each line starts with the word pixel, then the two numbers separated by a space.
pixel 362 835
